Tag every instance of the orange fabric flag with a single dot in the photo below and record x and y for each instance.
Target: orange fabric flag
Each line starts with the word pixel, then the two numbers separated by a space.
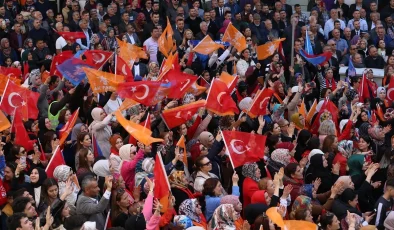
pixel 4 122
pixel 66 130
pixel 128 103
pixel 101 82
pixel 310 114
pixel 167 65
pixel 236 38
pixel 379 112
pixel 45 75
pixel 3 82
pixel 139 132
pixel 230 81
pixel 207 46
pixel 269 48
pixel 166 41
pixel 182 149
pixel 196 89
pixel 302 109
pixel 275 217
pixel 130 52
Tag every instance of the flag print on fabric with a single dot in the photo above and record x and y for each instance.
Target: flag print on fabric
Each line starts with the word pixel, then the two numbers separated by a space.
pixel 179 83
pixel 260 103
pixel 72 36
pixel 366 89
pixel 15 96
pixel 219 100
pixel 66 130
pixel 101 82
pixel 96 148
pixel 97 58
pixel 235 38
pixel 59 59
pixel 11 72
pixel 231 81
pixel 269 48
pixel 72 70
pixel 162 186
pixel 21 136
pixel 143 92
pixel 181 114
pixel 4 122
pixel 182 149
pixel 3 82
pixel 122 68
pixel 244 147
pixel 166 41
pixel 207 46
pixel 56 160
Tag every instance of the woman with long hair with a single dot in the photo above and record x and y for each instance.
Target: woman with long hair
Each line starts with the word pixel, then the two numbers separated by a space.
pixel 50 193
pixel 86 160
pixel 84 141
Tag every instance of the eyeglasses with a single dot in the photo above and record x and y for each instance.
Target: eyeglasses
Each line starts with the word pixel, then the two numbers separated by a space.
pixel 248 40
pixel 206 164
pixel 284 125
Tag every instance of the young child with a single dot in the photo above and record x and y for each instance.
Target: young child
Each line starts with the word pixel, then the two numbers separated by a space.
pixel 384 204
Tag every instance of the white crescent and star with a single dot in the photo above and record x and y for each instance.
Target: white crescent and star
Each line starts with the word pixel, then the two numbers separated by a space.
pixel 101 59
pixel 185 84
pixel 145 94
pixel 232 143
pixel 124 70
pixel 220 96
pixel 388 93
pixel 10 99
pixel 262 102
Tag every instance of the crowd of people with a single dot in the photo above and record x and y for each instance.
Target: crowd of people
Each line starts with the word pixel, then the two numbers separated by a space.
pixel 332 166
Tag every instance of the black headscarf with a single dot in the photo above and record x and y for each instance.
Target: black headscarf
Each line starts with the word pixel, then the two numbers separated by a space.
pixel 41 179
pixel 43 128
pixel 135 222
pixel 317 170
pixel 302 141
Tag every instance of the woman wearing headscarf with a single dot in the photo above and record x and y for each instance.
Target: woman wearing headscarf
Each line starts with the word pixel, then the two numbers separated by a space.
pixel 183 221
pixel 223 28
pixel 28 47
pixel 299 121
pixel 237 205
pixel 192 209
pixel 7 51
pixel 252 175
pixel 347 201
pixel 109 43
pixel 180 187
pixel 100 129
pixel 224 217
pixel 345 150
pixel 130 157
pixel 114 159
pixel 302 141
pixel 37 177
pixel 62 174
pixel 279 93
pixel 318 168
pixel 279 159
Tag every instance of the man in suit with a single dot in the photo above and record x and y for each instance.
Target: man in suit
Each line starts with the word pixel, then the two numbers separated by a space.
pixel 220 10
pixel 357 29
pixel 131 36
pixel 17 38
pixel 84 42
pixel 123 24
pixel 139 69
pixel 286 7
pixel 88 206
pixel 179 29
pixel 212 27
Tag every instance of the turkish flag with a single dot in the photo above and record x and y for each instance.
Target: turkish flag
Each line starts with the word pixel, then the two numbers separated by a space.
pixel 56 160
pixel 172 62
pixel 65 131
pixel 244 147
pixel 390 90
pixel 16 96
pixel 219 100
pixel 97 58
pixel 230 81
pixel 139 132
pixel 21 136
pixel 11 72
pixel 260 103
pixel 366 89
pixel 123 69
pixel 4 122
pixel 181 114
pixel 180 83
pixel 72 36
pixel 143 92
pixel 328 106
pixel 59 59
pixel 162 186
pixel 3 82
pixel 101 82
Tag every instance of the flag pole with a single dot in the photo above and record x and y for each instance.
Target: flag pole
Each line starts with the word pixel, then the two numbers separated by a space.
pixel 53 156
pixel 225 144
pixel 293 26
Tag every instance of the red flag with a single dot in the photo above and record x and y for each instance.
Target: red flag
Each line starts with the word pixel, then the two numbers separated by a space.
pixel 328 106
pixel 162 186
pixel 43 157
pixel 123 69
pixel 219 100
pixel 65 131
pixel 366 89
pixel 244 147
pixel 373 118
pixel 143 92
pixel 379 112
pixel 21 136
pixel 56 160
pixel 171 63
pixel 18 97
pixel 72 36
pixel 97 58
pixel 59 59
pixel 25 70
pixel 180 83
pixel 260 103
pixel 179 115
pixel 230 81
pixel 11 72
pixel 390 91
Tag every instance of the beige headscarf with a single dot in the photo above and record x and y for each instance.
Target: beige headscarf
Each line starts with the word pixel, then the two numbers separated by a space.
pixel 204 138
pixel 124 153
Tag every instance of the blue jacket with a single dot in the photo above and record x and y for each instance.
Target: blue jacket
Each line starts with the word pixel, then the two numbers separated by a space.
pixel 212 202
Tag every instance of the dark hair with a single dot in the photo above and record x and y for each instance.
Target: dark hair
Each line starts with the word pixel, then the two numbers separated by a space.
pixel 19 193
pixel 20 203
pixel 82 154
pixel 291 168
pixel 327 143
pixel 296 5
pixel 390 182
pixel 62 116
pixel 14 151
pixel 271 141
pixel 198 163
pixel 49 182
pixel 313 143
pixel 348 195
pixel 326 219
pixel 14 221
pixel 210 185
pixel 80 139
pixel 76 222
pixel 300 214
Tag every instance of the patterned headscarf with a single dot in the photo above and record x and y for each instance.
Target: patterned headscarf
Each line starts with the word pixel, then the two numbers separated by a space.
pixel 187 98
pixel 62 172
pixel 351 94
pixel 249 170
pixel 346 148
pixel 176 179
pixel 183 221
pixel 188 208
pixel 223 218
pixel 301 202
pixel 281 156
pixel 374 132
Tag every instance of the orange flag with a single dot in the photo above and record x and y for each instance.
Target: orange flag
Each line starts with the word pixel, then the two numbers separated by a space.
pixel 101 82
pixel 196 89
pixel 182 148
pixel 230 81
pixel 219 100
pixel 139 132
pixel 269 48
pixel 162 186
pixel 275 217
pixel 4 122
pixel 167 65
pixel 310 114
pixel 128 103
pixel 206 46
pixel 166 41
pixel 236 38
pixel 65 131
pixel 379 112
pixel 129 51
pixel 45 75
pixel 302 109
pixel 3 82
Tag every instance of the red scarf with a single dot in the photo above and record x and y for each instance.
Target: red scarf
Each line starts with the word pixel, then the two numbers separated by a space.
pixel 115 151
pixel 333 84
